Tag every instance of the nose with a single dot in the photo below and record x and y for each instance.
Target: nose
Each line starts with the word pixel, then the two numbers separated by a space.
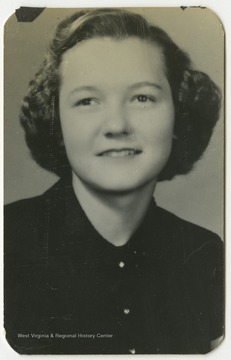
pixel 116 122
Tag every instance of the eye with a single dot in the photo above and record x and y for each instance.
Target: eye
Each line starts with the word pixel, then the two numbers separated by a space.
pixel 85 102
pixel 141 98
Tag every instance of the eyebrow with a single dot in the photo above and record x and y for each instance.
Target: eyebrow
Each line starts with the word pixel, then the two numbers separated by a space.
pixel 133 86
pixel 145 83
pixel 82 88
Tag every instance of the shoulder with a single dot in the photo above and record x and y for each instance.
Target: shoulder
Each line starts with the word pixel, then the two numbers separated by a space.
pixel 28 209
pixel 194 262
pixel 188 239
pixel 25 223
pixel 176 225
pixel 21 208
pixel 20 223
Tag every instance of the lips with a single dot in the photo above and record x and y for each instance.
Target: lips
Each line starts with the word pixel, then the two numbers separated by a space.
pixel 120 152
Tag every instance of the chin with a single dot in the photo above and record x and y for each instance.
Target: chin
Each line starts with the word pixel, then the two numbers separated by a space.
pixel 121 187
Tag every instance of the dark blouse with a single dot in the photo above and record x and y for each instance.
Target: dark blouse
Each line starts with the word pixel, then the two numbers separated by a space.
pixel 69 291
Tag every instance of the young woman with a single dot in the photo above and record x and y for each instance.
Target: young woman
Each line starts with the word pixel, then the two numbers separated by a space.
pixel 94 265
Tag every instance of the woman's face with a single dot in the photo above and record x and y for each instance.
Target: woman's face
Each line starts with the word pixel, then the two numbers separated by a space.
pixel 116 112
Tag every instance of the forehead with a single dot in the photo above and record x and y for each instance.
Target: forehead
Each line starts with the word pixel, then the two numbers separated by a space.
pixel 113 58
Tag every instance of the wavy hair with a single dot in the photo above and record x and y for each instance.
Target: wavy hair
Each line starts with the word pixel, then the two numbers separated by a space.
pixel 196 97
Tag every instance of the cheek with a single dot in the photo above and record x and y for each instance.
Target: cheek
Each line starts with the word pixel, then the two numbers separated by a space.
pixel 157 123
pixel 73 138
pixel 75 132
pixel 159 131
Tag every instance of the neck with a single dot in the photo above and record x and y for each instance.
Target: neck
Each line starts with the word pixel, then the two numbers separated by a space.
pixel 115 216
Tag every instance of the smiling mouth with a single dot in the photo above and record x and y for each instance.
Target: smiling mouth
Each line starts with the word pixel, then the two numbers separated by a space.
pixel 120 152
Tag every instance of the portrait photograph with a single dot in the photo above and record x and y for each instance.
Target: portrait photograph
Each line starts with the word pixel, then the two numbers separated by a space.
pixel 114 181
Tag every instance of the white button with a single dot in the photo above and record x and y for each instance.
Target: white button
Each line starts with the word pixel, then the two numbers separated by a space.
pixel 121 264
pixel 132 351
pixel 126 311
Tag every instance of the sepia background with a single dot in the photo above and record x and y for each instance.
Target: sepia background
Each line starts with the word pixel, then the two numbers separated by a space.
pixel 198 196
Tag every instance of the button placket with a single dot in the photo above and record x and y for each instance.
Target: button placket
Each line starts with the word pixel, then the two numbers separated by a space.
pixel 121 264
pixel 126 311
pixel 132 351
